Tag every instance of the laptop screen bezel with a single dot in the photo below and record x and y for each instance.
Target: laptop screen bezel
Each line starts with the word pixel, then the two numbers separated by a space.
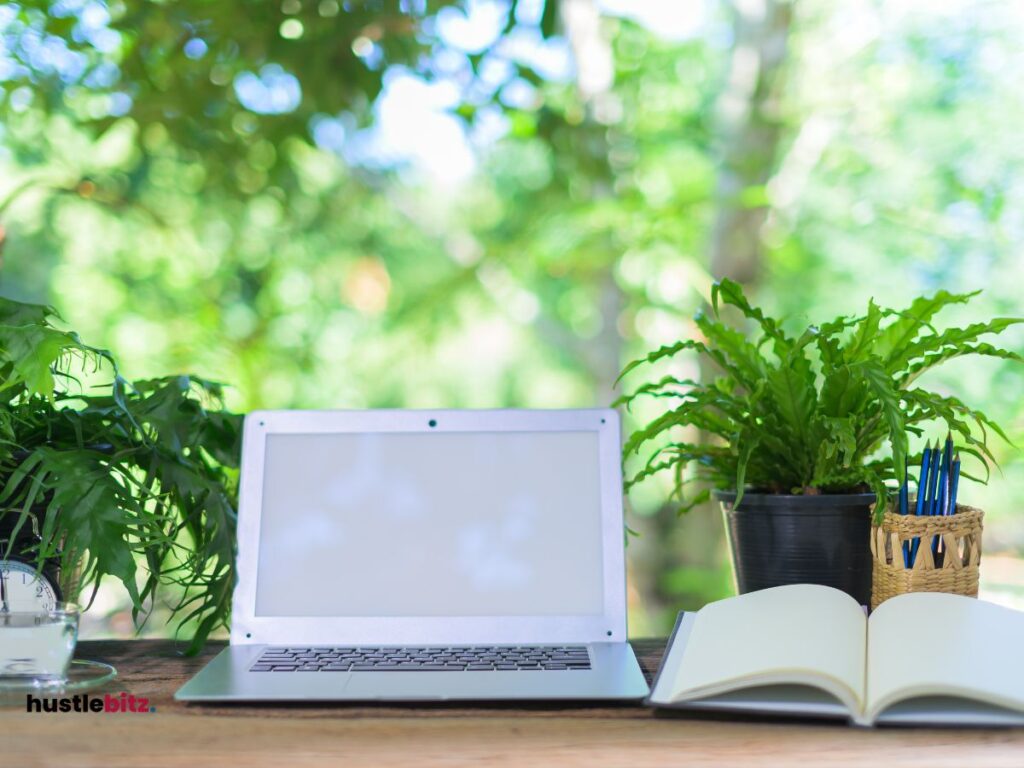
pixel 610 626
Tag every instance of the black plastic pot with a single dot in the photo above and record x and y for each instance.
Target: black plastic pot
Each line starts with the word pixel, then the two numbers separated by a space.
pixel 777 539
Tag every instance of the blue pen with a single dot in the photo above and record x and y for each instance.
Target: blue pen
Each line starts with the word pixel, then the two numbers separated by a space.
pixel 948 463
pixel 933 483
pixel 931 504
pixel 904 490
pixel 922 491
pixel 922 484
pixel 954 483
pixel 945 467
pixel 904 504
pixel 942 497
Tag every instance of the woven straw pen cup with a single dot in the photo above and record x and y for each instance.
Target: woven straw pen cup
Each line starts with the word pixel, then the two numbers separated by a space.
pixel 961 545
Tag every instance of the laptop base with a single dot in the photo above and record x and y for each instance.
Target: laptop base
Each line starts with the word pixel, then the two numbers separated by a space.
pixel 614 675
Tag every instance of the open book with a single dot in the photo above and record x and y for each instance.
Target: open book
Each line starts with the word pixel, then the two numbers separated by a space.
pixel 808 650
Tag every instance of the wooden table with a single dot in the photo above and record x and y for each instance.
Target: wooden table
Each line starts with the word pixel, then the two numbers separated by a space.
pixel 445 735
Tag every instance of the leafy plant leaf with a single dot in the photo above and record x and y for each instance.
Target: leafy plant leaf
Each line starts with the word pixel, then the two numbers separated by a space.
pixel 117 475
pixel 880 384
pixel 897 336
pixel 799 424
pixel 795 398
pixel 729 292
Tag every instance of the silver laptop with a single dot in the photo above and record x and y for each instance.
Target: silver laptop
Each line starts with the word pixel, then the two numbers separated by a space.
pixel 428 555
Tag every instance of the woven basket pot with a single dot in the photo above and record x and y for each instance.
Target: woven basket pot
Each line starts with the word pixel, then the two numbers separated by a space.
pixel 961 544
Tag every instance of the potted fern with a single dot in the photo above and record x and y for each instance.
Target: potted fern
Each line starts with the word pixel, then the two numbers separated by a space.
pixel 798 436
pixel 99 477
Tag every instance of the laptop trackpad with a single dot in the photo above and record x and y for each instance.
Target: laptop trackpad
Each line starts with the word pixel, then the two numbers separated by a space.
pixel 296 686
pixel 427 686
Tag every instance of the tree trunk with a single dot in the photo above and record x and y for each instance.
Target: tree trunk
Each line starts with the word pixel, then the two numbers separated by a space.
pixel 749 135
pixel 595 72
pixel 749 130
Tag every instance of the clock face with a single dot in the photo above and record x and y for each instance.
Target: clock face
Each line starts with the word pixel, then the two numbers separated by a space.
pixel 23 589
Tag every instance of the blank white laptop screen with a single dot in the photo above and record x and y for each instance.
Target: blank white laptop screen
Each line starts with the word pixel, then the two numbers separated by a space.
pixel 431 524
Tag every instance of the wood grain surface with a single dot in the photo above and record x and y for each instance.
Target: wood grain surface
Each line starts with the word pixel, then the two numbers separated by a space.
pixel 449 735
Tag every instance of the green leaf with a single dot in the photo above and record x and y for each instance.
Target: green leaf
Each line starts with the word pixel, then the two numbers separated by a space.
pixel 746 445
pixel 881 386
pixel 955 337
pixel 657 389
pixel 659 354
pixel 703 409
pixel 740 356
pixel 895 338
pixel 865 334
pixel 929 361
pixel 793 393
pixel 16 313
pixel 843 392
pixel 699 498
pixel 828 340
pixel 729 292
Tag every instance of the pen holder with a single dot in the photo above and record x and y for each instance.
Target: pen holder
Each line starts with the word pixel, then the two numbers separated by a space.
pixel 957 573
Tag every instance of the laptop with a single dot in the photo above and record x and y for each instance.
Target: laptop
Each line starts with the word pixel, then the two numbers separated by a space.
pixel 428 556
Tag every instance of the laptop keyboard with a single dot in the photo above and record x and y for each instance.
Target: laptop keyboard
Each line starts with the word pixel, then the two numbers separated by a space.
pixel 503 658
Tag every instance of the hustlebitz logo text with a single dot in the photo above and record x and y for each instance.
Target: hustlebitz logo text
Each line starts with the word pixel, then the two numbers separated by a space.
pixel 106 704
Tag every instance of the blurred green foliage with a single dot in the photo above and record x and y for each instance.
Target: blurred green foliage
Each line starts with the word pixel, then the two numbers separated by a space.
pixel 195 206
pixel 226 83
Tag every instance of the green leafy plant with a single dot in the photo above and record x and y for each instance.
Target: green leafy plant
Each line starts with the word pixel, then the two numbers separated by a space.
pixel 808 414
pixel 116 475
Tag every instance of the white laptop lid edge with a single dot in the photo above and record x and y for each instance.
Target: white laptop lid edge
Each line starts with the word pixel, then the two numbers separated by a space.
pixel 610 626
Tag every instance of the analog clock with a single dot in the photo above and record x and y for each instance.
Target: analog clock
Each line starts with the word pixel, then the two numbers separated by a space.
pixel 23 588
